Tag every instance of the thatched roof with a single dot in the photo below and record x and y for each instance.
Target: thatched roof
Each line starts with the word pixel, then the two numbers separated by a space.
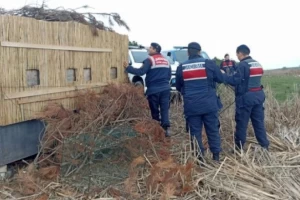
pixel 64 15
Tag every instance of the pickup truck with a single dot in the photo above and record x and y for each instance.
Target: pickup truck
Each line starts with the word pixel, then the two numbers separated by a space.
pixel 136 56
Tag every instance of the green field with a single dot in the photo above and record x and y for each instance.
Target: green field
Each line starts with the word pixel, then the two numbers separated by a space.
pixel 282 85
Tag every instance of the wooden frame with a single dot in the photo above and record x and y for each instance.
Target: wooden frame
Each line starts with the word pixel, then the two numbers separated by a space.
pixel 51 91
pixel 42 99
pixel 52 47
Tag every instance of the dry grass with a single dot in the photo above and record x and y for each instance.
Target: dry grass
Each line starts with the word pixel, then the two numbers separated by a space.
pixel 164 169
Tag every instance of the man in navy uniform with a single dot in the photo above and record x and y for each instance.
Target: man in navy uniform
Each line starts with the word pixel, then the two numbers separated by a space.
pixel 196 80
pixel 249 98
pixel 158 75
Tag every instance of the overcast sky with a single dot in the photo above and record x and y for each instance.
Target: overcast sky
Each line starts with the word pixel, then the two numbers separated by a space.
pixel 270 28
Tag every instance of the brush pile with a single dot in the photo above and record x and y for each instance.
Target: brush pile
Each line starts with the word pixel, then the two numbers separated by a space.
pixel 93 147
pixel 66 15
pixel 110 147
pixel 100 121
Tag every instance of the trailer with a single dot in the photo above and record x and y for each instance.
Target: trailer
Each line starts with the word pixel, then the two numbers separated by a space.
pixel 43 62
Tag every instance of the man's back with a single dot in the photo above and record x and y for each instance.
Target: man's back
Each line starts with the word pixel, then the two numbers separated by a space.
pixel 248 83
pixel 196 79
pixel 159 75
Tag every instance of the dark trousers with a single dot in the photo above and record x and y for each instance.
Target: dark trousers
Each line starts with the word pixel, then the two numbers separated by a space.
pixel 159 106
pixel 211 125
pixel 242 116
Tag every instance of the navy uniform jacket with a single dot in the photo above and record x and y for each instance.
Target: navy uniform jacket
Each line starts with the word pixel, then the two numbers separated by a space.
pixel 158 73
pixel 196 80
pixel 247 82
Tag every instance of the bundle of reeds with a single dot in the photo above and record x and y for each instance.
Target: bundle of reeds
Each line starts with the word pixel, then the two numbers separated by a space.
pixel 64 15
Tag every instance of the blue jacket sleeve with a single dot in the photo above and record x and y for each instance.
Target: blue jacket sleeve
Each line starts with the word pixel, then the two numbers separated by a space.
pixel 140 71
pixel 217 74
pixel 236 78
pixel 179 78
pixel 234 65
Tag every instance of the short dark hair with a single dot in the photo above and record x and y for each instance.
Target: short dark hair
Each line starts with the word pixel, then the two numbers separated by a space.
pixel 193 52
pixel 156 46
pixel 226 55
pixel 244 49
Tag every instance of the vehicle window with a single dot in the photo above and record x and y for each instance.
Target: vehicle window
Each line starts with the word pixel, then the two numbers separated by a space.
pixel 181 55
pixel 139 56
pixel 164 53
pixel 168 58
pixel 204 55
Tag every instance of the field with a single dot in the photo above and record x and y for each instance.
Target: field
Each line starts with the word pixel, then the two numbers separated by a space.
pixel 283 86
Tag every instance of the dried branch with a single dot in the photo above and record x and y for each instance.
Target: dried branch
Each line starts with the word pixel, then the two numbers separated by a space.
pixel 64 15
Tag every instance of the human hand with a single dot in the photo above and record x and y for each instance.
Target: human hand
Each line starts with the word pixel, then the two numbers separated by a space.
pixel 125 64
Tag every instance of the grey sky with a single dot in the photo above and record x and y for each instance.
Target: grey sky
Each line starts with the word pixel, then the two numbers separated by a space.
pixel 269 28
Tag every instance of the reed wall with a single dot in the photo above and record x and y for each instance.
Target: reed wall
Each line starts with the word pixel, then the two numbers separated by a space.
pixel 44 61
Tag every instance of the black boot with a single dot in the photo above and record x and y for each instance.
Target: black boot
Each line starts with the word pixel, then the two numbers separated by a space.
pixel 216 157
pixel 167 132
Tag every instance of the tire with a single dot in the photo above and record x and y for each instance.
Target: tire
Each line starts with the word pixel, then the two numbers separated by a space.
pixel 138 84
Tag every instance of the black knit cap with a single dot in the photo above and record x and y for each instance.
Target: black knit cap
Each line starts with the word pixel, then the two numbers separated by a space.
pixel 156 46
pixel 194 45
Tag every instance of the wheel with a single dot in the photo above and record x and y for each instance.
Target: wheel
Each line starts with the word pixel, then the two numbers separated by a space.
pixel 138 84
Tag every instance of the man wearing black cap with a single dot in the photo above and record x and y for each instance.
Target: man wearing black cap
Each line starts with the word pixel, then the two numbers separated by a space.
pixel 158 75
pixel 196 80
pixel 249 98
